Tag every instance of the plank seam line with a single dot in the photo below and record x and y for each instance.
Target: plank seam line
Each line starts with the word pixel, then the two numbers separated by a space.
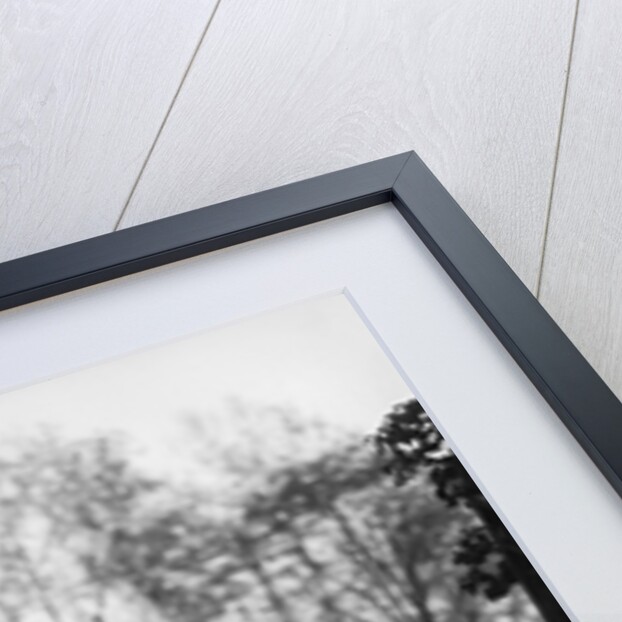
pixel 547 218
pixel 166 116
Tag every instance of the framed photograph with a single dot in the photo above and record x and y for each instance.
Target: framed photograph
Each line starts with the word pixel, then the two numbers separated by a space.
pixel 332 400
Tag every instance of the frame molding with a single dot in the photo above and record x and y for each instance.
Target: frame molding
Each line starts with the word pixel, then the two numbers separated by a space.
pixel 572 388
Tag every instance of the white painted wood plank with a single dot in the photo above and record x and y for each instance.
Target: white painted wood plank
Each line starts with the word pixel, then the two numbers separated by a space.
pixel 582 275
pixel 84 87
pixel 282 91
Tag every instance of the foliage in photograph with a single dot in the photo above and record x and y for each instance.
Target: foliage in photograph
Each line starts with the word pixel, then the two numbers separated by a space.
pixel 386 528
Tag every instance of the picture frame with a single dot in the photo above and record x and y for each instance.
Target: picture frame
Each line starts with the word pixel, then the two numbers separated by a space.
pixel 551 364
pixel 581 399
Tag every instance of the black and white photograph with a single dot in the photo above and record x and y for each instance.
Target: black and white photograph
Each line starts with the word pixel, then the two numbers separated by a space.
pixel 276 469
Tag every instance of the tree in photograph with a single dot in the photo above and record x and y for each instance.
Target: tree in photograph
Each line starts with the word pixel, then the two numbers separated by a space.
pixel 61 505
pixel 412 447
pixel 327 538
pixel 303 526
pixel 371 551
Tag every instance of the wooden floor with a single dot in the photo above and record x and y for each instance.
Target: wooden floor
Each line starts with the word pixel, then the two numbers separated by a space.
pixel 113 114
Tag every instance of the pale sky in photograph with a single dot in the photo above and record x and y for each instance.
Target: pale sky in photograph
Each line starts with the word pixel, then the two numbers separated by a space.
pixel 315 359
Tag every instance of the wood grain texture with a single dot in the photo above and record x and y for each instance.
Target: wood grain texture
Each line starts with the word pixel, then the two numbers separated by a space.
pixel 282 91
pixel 84 87
pixel 582 275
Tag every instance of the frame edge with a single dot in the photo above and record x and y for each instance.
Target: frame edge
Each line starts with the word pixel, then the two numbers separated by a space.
pixel 569 384
pixel 112 255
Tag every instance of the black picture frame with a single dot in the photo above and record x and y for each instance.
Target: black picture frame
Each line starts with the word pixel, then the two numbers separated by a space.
pixel 572 388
